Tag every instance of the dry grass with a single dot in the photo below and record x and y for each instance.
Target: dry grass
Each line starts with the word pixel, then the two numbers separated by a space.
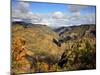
pixel 33 51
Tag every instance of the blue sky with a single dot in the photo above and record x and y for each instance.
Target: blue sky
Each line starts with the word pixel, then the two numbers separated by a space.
pixel 60 12
pixel 44 8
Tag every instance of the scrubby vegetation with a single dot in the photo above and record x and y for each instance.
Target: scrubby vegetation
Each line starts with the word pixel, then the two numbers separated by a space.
pixel 79 57
pixel 38 49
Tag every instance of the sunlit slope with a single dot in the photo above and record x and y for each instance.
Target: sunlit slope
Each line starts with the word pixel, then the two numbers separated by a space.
pixel 38 39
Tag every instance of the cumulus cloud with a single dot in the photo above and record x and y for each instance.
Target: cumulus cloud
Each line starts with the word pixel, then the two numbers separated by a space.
pixel 83 19
pixel 77 18
pixel 44 22
pixel 23 7
pixel 58 15
pixel 76 8
pixel 22 11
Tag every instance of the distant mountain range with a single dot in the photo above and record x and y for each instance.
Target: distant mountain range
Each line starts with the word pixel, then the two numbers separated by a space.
pixel 65 33
pixel 57 35
pixel 77 31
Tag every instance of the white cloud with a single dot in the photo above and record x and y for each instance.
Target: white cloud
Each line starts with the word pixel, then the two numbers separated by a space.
pixel 23 7
pixel 44 22
pixel 23 12
pixel 91 18
pixel 58 15
pixel 83 19
pixel 77 13
pixel 78 18
pixel 76 8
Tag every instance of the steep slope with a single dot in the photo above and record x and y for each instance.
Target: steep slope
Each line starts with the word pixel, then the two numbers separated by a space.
pixel 80 45
pixel 34 43
pixel 76 32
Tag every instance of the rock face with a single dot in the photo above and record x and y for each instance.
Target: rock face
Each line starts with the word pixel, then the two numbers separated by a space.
pixel 79 31
pixel 80 48
pixel 35 47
